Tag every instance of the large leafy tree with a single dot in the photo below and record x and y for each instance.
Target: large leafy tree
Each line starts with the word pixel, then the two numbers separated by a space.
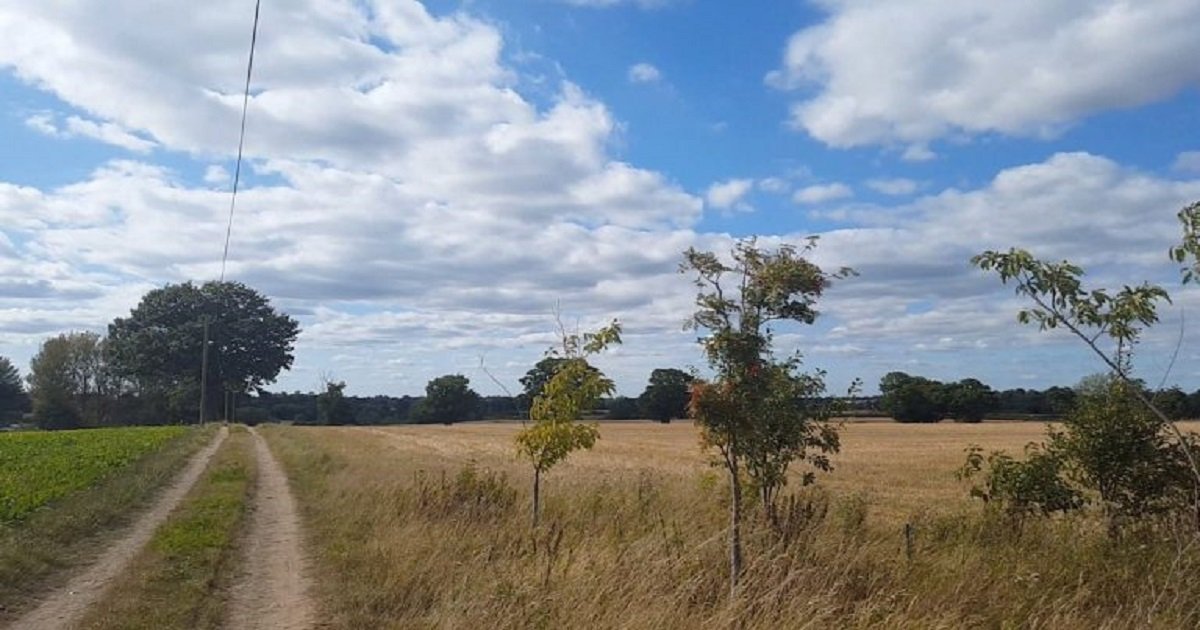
pixel 759 413
pixel 666 395
pixel 555 430
pixel 448 399
pixel 159 346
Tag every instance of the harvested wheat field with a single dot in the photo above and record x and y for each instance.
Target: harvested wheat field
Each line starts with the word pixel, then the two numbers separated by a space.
pixel 899 468
pixel 429 526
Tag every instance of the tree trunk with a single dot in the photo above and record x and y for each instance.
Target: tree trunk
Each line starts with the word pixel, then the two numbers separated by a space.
pixel 735 526
pixel 537 487
pixel 768 500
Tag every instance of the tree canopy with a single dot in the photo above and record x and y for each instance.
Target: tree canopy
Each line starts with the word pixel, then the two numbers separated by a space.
pixel 448 398
pixel 666 395
pixel 159 344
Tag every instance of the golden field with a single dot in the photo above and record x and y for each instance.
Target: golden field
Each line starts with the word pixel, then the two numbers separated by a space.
pixel 898 468
pixel 428 527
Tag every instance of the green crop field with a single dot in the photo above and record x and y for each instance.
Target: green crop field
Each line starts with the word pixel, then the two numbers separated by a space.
pixel 39 467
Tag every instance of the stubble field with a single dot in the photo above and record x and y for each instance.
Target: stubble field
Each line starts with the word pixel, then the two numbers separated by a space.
pixel 428 526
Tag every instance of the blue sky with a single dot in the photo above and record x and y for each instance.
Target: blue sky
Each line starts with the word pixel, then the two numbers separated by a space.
pixel 428 182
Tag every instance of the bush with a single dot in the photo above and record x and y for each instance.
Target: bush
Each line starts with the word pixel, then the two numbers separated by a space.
pixel 1111 449
pixel 1115 446
pixel 1035 484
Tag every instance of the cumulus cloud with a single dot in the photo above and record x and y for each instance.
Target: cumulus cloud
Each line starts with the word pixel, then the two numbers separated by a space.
pixel 415 210
pixel 644 73
pixel 912 71
pixel 408 170
pixel 729 194
pixel 821 193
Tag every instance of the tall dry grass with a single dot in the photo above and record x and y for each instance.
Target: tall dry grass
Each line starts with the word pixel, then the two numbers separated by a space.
pixel 423 527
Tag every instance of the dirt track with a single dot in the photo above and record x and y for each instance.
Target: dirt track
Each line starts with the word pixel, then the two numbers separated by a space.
pixel 273 591
pixel 64 607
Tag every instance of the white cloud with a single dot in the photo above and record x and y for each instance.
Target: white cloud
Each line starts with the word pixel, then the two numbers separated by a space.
pixel 644 73
pixel 419 207
pixel 911 71
pixel 917 153
pixel 1187 162
pixel 898 186
pixel 729 194
pixel 75 127
pixel 216 174
pixel 821 193
pixel 409 175
pixel 774 185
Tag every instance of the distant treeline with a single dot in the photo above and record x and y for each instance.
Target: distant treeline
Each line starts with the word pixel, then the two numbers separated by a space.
pixel 302 408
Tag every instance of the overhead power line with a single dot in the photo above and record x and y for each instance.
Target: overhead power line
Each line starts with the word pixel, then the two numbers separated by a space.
pixel 237 169
pixel 237 178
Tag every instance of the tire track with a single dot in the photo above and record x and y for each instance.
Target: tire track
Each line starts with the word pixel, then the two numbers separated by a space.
pixel 273 592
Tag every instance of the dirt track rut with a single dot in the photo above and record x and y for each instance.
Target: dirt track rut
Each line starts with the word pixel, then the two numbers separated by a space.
pixel 273 591
pixel 64 607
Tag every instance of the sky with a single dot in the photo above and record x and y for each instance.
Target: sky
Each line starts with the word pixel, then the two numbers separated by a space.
pixel 427 184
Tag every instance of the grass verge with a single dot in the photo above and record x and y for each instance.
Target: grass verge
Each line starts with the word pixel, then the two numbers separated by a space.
pixel 39 552
pixel 423 539
pixel 180 579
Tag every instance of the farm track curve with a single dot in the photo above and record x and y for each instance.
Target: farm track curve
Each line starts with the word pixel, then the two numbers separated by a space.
pixel 64 607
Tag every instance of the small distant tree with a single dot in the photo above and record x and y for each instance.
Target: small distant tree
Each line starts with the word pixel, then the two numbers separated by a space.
pixel 332 406
pixel 448 399
pixel 623 408
pixel 535 380
pixel 666 396
pixel 1173 402
pixel 911 398
pixel 750 412
pixel 12 392
pixel 1061 400
pixel 51 386
pixel 554 431
pixel 71 383
pixel 967 400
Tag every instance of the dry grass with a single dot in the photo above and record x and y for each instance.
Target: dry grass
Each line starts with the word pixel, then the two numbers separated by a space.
pixel 633 538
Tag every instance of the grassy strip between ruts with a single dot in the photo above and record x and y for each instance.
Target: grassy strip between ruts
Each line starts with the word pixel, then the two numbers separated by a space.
pixel 180 580
pixel 38 553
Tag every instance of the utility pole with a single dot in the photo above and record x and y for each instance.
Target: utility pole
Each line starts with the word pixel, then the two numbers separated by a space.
pixel 204 374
